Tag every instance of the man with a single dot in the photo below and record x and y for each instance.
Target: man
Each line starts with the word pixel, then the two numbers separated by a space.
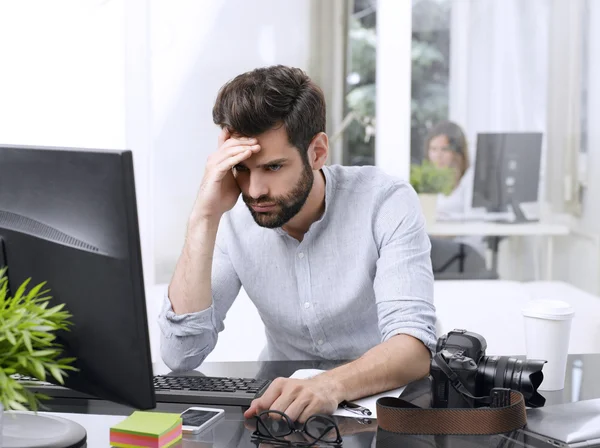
pixel 336 259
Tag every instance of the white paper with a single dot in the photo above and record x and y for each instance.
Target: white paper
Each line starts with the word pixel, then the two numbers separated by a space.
pixel 367 402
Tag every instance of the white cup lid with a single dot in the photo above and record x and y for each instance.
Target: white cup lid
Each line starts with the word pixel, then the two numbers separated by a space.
pixel 548 309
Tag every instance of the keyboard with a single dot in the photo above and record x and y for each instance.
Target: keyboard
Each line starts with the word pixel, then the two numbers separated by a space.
pixel 198 390
pixel 208 390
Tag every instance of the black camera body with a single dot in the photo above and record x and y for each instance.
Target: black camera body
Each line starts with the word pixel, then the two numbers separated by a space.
pixel 463 353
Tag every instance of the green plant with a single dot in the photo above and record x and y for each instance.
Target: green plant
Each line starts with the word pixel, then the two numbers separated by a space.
pixel 28 342
pixel 426 178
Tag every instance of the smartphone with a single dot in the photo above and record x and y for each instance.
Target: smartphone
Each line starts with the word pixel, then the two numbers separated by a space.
pixel 197 419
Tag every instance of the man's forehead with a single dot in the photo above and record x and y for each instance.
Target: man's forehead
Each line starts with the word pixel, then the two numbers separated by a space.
pixel 276 135
pixel 272 144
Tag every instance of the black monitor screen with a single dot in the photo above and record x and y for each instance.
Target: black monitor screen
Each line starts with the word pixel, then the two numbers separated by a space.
pixel 507 169
pixel 69 218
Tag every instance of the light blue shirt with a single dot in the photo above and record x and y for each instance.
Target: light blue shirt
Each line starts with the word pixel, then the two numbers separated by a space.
pixel 361 275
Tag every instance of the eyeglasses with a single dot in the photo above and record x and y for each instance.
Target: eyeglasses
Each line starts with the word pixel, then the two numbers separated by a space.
pixel 276 427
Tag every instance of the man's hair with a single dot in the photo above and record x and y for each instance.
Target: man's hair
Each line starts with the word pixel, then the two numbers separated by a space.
pixel 264 98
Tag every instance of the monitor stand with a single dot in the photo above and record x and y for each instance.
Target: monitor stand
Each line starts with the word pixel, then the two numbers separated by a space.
pixel 29 430
pixel 519 216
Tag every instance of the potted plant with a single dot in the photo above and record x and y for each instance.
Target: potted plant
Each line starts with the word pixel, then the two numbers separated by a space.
pixel 430 181
pixel 28 343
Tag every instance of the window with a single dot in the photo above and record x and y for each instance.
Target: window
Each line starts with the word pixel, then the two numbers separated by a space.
pixel 430 74
pixel 359 110
pixel 430 69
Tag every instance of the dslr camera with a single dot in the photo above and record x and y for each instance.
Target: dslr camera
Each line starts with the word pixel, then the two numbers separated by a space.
pixel 463 377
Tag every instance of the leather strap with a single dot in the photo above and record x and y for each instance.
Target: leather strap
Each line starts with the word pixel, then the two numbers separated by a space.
pixel 401 417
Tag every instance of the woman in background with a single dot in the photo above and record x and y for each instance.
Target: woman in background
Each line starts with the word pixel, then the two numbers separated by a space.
pixel 446 147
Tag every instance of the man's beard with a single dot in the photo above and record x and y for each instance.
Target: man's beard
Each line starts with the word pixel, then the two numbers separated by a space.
pixel 287 206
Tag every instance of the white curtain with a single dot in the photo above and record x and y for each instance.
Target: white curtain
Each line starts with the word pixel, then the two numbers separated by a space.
pixel 499 83
pixel 507 66
pixel 499 66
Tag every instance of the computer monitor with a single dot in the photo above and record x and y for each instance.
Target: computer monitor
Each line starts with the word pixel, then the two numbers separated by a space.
pixel 507 172
pixel 69 217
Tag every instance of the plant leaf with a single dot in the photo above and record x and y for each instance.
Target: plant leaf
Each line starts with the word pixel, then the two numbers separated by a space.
pixel 13 404
pixel 27 341
pixel 43 353
pixel 57 373
pixel 43 328
pixel 38 368
pixel 33 292
pixel 28 332
pixel 21 290
pixel 11 337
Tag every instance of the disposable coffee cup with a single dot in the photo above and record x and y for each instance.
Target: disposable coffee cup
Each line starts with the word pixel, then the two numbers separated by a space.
pixel 547 333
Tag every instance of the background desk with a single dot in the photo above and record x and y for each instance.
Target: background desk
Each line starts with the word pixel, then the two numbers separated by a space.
pixel 97 416
pixel 493 309
pixel 495 230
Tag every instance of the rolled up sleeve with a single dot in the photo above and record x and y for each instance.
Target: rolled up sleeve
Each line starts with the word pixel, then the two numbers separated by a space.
pixel 404 277
pixel 187 339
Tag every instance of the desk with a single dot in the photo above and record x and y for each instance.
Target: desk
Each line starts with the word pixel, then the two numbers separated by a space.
pixel 97 416
pixel 496 230
pixel 465 304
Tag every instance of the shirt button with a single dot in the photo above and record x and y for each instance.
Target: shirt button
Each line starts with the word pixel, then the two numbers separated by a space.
pixel 306 305
pixel 320 342
pixel 301 255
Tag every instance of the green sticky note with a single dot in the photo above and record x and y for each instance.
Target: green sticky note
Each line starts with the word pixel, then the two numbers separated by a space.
pixel 153 424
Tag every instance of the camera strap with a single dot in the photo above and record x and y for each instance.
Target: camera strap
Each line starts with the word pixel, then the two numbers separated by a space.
pixel 455 379
pixel 401 417
pixel 506 413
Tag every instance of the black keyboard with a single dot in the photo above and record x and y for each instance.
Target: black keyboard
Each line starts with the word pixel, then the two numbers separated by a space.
pixel 208 390
pixel 181 389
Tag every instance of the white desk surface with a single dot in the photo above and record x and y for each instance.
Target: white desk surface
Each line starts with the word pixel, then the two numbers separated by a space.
pixel 97 426
pixel 493 309
pixel 483 228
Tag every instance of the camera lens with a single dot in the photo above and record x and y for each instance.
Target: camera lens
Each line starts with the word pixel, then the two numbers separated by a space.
pixel 524 376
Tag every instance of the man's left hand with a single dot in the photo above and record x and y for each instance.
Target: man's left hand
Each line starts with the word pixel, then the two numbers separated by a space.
pixel 298 399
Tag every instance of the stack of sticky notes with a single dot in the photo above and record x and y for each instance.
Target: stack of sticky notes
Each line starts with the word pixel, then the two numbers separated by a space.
pixel 147 430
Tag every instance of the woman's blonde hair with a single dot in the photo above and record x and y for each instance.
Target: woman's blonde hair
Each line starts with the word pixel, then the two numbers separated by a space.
pixel 456 140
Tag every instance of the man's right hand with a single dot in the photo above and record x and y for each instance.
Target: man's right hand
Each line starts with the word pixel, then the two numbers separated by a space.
pixel 219 191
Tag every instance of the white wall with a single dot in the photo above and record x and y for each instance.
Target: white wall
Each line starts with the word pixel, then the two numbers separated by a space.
pixel 196 47
pixel 62 79
pixel 65 82
pixel 578 258
pixel 143 76
pixel 138 122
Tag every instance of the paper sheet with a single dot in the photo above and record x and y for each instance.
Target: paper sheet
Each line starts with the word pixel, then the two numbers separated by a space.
pixel 367 402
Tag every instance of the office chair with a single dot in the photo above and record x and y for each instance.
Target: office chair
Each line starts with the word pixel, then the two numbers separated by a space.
pixel 452 260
